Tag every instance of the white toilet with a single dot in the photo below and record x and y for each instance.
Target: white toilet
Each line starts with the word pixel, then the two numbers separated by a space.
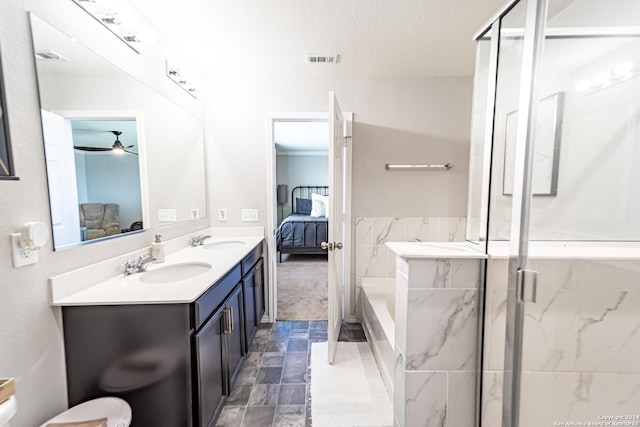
pixel 117 412
pixel 8 409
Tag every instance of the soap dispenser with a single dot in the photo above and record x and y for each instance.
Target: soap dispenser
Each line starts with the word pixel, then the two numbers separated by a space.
pixel 157 249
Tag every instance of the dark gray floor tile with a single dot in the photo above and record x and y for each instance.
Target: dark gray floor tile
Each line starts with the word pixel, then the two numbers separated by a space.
pixel 276 346
pixel 299 334
pixel 356 336
pixel 300 325
pixel 273 360
pixel 281 334
pixel 252 360
pixel 292 394
pixel 297 346
pixel 295 359
pixel 262 333
pixel 239 395
pixel 231 416
pixel 318 325
pixel 265 325
pixel 281 325
pixel 259 416
pixel 264 394
pixel 317 335
pixel 257 347
pixel 269 376
pixel 247 375
pixel 289 416
pixel 294 374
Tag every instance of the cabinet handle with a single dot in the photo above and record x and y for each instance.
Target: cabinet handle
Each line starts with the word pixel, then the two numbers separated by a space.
pixel 233 326
pixel 227 322
pixel 257 278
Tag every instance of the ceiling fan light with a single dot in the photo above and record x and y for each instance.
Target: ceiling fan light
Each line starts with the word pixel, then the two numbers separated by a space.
pixel 117 148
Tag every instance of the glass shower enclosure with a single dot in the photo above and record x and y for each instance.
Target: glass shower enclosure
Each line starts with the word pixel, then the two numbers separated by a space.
pixel 555 199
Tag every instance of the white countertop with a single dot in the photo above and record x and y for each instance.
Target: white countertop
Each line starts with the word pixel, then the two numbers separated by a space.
pixel 123 289
pixel 435 250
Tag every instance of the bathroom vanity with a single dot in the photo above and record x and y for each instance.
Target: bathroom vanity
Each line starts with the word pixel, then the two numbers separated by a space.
pixel 172 349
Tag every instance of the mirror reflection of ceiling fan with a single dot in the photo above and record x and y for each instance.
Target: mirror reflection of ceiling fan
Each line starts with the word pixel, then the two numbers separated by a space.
pixel 117 146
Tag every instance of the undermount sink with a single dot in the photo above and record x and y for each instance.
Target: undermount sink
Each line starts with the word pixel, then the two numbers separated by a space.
pixel 174 272
pixel 223 244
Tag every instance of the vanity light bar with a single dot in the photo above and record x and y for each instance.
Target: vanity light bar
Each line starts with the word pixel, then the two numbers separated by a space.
pixel 446 166
pixel 176 75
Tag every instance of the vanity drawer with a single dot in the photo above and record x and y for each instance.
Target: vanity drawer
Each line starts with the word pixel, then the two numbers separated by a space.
pixel 250 260
pixel 204 306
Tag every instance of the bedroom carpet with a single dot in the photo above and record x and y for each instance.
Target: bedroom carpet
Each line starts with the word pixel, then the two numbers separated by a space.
pixel 302 288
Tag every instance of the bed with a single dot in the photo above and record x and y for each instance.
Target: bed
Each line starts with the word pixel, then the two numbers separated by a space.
pixel 301 233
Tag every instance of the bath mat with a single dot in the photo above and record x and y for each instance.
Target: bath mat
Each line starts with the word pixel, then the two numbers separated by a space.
pixel 302 289
pixel 350 392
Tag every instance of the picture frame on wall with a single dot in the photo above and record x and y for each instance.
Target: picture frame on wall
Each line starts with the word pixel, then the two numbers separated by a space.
pixel 6 161
pixel 546 160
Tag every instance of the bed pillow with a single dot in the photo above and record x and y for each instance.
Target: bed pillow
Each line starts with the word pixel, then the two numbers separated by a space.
pixel 319 205
pixel 303 206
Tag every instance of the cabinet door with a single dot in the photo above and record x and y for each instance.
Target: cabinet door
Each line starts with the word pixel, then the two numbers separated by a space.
pixel 235 337
pixel 250 324
pixel 258 283
pixel 210 377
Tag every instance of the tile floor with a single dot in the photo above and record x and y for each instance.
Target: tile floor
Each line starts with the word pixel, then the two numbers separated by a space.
pixel 272 388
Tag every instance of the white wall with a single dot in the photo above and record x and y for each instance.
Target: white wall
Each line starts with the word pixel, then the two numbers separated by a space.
pixel 31 333
pixel 297 170
pixel 396 121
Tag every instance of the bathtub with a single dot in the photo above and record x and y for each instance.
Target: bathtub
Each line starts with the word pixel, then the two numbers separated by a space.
pixel 378 311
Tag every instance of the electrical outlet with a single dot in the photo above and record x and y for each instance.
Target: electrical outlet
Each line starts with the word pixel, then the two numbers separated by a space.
pixel 222 214
pixel 250 215
pixel 21 256
pixel 166 215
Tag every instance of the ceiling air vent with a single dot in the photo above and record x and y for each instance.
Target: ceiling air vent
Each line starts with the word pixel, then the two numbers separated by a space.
pixel 322 59
pixel 49 55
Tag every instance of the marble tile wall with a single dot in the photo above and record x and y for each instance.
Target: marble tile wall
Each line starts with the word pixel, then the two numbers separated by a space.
pixel 373 259
pixel 581 342
pixel 436 341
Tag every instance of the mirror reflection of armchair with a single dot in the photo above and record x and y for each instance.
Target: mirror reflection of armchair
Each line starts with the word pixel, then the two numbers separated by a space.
pixel 100 219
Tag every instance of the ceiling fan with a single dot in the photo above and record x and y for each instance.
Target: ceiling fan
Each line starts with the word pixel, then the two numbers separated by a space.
pixel 117 146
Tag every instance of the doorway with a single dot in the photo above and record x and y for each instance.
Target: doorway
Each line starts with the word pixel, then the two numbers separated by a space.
pixel 302 187
pixel 278 211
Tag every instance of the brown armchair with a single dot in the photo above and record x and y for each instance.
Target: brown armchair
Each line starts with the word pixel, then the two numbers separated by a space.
pixel 100 219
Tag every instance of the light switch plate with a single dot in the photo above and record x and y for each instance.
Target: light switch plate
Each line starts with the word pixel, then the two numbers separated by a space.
pixel 22 257
pixel 222 214
pixel 166 215
pixel 250 215
pixel 195 213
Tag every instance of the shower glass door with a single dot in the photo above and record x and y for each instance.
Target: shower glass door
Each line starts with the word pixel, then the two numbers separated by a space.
pixel 580 360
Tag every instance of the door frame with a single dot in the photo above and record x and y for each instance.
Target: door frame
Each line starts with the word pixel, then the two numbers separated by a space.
pixel 271 217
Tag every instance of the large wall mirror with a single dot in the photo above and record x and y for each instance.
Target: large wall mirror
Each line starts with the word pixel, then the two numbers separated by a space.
pixel 120 157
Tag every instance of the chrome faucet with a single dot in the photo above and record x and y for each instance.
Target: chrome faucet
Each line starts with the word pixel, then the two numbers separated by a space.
pixel 415 239
pixel 132 266
pixel 199 240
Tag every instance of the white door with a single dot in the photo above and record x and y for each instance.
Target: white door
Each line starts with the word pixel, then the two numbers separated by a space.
pixel 61 173
pixel 337 223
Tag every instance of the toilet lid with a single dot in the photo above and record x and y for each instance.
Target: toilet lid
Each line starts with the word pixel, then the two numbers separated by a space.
pixel 117 411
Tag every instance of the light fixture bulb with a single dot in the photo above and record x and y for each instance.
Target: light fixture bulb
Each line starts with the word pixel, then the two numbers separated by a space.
pixel 602 79
pixel 583 85
pixel 128 19
pixel 117 148
pixel 623 68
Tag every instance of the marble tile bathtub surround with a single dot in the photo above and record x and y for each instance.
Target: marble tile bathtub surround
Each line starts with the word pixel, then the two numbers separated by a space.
pixel 442 329
pixel 371 233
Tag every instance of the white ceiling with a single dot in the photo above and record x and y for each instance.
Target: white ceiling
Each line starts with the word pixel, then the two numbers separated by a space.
pixel 294 137
pixel 412 38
